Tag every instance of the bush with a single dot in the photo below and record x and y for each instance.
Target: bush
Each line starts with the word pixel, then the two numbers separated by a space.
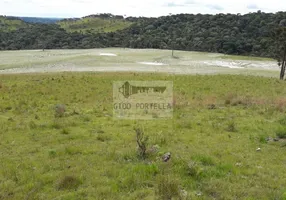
pixel 68 183
pixel 231 127
pixel 60 110
pixel 204 160
pixel 167 188
pixel 282 121
pixel 65 131
pixel 141 142
pixel 52 153
pixel 281 133
pixel 193 169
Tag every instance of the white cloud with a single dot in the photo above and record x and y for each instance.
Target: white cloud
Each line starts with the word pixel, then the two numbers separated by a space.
pixel 79 8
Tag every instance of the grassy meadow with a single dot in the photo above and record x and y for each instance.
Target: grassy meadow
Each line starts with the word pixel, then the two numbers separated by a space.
pixel 7 25
pixel 226 139
pixel 94 25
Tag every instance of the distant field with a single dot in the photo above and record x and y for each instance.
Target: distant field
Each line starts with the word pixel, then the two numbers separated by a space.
pixel 117 59
pixel 7 25
pixel 225 138
pixel 94 25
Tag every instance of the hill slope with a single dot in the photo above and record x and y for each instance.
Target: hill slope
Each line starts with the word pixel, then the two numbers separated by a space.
pixel 249 34
pixel 11 23
pixel 95 24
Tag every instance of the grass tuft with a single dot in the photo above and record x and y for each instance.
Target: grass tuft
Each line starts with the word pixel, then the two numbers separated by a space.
pixel 231 127
pixel 60 110
pixel 167 188
pixel 68 183
pixel 281 132
pixel 65 131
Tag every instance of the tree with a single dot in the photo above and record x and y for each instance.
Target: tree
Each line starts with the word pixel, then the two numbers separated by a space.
pixel 280 49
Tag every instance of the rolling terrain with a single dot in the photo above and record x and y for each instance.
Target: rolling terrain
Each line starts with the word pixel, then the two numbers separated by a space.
pixel 91 24
pixel 226 139
pixel 59 139
pixel 8 24
pixel 251 34
pixel 136 60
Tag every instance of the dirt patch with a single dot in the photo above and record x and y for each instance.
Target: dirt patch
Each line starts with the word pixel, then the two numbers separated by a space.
pixel 152 63
pixel 107 54
pixel 242 64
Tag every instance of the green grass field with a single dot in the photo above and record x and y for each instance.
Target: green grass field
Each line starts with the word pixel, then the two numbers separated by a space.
pixel 94 25
pixel 11 24
pixel 218 124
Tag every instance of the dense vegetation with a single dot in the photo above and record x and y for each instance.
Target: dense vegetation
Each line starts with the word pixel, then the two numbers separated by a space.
pixel 249 34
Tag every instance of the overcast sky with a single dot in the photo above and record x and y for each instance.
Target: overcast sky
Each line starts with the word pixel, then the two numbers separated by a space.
pixel 154 8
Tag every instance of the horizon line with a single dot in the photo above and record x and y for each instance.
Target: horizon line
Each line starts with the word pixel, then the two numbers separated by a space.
pixel 125 16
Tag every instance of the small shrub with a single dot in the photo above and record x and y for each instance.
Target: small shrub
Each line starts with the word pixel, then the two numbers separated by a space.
pixel 235 100
pixel 280 104
pixel 193 169
pixel 8 108
pixel 99 130
pixel 160 139
pixel 32 125
pixel 65 131
pixel 56 125
pixel 211 106
pixel 218 171
pixel 227 102
pixel 167 188
pixel 102 138
pixel 60 110
pixel 155 115
pixel 282 121
pixel 231 127
pixel 141 142
pixel 281 133
pixel 262 139
pixel 52 153
pixel 229 98
pixel 187 124
pixel 86 118
pixel 68 183
pixel 71 150
pixel 204 160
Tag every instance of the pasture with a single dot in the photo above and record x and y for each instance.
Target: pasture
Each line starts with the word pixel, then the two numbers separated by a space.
pixel 226 137
pixel 136 60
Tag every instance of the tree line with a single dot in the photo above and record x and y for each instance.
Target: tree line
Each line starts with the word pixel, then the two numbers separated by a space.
pixel 249 34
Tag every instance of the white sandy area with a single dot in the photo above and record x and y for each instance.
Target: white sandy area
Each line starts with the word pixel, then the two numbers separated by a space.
pixel 107 54
pixel 151 63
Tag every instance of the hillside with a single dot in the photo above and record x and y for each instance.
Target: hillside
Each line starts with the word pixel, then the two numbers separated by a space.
pixel 11 23
pixel 249 34
pixel 95 24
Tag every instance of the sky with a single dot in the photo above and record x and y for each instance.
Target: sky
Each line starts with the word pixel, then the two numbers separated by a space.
pixel 147 8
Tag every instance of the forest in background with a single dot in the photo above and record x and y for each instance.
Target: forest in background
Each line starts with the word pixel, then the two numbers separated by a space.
pixel 249 34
